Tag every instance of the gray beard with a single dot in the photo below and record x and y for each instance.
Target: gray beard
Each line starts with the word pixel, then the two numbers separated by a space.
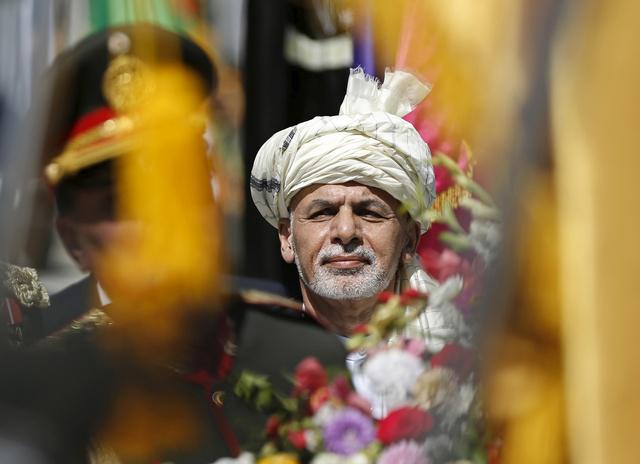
pixel 345 284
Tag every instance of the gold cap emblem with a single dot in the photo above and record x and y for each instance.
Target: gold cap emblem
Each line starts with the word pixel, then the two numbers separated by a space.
pixel 126 83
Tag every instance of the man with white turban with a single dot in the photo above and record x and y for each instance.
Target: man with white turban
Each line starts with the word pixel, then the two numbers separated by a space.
pixel 333 187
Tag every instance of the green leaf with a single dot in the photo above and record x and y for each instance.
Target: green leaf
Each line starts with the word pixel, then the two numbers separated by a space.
pixel 480 210
pixel 263 399
pixel 475 189
pixel 355 342
pixel 450 218
pixel 458 242
pixel 440 159
pixel 289 404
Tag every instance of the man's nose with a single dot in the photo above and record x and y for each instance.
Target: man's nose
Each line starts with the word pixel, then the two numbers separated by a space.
pixel 345 228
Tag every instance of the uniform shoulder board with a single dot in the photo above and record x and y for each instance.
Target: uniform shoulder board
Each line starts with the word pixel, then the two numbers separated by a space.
pixel 276 306
pixel 266 299
pixel 23 284
pixel 90 321
pixel 20 289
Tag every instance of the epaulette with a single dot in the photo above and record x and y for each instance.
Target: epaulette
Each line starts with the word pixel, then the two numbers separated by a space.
pixel 274 305
pixel 20 289
pixel 22 284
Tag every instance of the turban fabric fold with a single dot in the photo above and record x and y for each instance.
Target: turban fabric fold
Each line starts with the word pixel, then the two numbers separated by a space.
pixel 368 142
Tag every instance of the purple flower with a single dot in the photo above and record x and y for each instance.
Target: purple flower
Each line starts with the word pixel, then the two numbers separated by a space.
pixel 406 452
pixel 348 432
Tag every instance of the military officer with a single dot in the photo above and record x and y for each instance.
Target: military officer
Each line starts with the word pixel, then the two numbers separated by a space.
pixel 268 334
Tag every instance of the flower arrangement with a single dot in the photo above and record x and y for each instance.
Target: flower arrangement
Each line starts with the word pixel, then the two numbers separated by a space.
pixel 413 395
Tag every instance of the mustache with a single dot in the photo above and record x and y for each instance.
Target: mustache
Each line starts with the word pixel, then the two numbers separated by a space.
pixel 331 251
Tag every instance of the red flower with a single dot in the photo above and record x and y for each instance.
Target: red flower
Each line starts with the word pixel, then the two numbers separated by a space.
pixel 410 294
pixel 431 239
pixel 273 424
pixel 383 297
pixel 341 388
pixel 360 329
pixel 297 439
pixel 406 423
pixel 413 293
pixel 455 357
pixel 443 179
pixel 309 376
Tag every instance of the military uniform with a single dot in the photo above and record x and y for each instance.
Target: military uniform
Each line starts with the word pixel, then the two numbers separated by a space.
pixel 267 339
pixel 257 332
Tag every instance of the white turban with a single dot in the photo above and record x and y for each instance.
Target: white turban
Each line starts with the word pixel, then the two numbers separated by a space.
pixel 368 142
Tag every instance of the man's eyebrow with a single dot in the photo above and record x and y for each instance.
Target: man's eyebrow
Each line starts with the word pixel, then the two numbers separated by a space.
pixel 320 203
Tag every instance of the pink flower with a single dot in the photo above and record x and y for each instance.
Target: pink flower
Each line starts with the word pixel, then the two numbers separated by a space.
pixel 415 346
pixel 442 265
pixel 358 402
pixel 405 452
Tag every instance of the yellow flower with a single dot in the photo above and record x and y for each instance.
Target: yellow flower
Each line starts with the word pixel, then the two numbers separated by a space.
pixel 279 458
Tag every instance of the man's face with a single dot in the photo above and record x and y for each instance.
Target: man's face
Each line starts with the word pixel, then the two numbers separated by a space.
pixel 90 227
pixel 346 240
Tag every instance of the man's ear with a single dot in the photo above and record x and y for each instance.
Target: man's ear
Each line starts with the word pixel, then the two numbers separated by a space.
pixel 284 234
pixel 67 229
pixel 413 236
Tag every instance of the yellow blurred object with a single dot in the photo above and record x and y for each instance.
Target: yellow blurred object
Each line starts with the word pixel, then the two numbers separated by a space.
pixel 167 268
pixel 524 385
pixel 280 458
pixel 595 100
pixel 146 423
pixel 171 262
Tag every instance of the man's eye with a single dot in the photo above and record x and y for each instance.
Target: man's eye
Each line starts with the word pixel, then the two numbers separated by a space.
pixel 323 213
pixel 370 214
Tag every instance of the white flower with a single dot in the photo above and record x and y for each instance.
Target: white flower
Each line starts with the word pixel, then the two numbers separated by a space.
pixel 441 325
pixel 485 237
pixel 457 405
pixel 324 414
pixel 441 322
pixel 312 439
pixel 434 386
pixel 244 458
pixel 387 379
pixel 330 458
pixel 446 291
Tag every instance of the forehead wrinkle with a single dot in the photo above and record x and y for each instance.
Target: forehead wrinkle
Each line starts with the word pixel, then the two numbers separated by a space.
pixel 356 195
